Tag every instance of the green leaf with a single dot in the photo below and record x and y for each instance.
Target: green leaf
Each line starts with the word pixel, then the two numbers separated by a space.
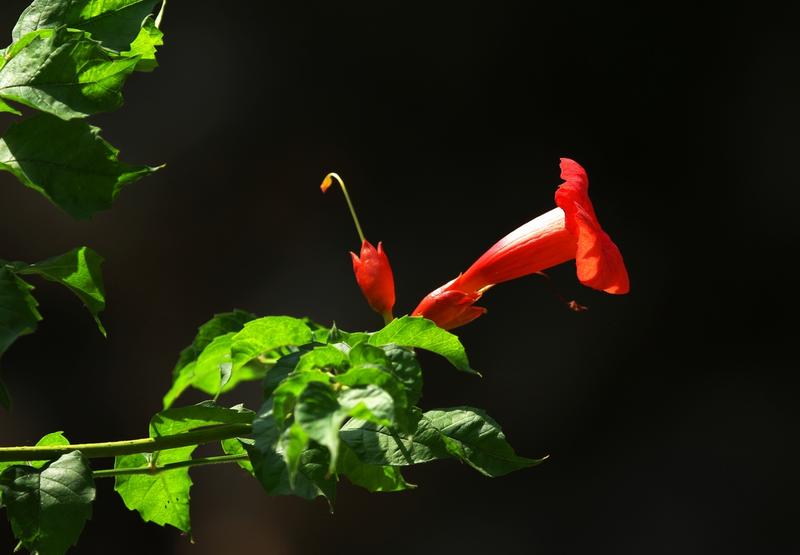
pixel 471 435
pixel 281 370
pixel 370 477
pixel 220 324
pixel 51 439
pixel 271 470
pixel 378 445
pixel 286 394
pixel 464 433
pixel 5 107
pixel 237 354
pixel 18 313
pixel 267 334
pixel 335 335
pixel 236 446
pixel 115 23
pixel 381 376
pixel 145 45
pixel 213 372
pixel 414 331
pixel 48 508
pixel 65 73
pixel 320 412
pixel 324 357
pixel 184 372
pixel 294 441
pixel 68 162
pixel 163 497
pixel 79 271
pixel 406 369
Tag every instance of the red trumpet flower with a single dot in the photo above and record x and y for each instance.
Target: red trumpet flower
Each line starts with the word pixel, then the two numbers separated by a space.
pixel 373 271
pixel 570 231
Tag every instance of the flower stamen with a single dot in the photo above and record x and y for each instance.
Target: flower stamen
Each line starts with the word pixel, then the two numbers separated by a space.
pixel 326 183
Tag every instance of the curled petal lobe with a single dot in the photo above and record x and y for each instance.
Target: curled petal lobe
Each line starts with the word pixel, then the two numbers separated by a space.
pixel 374 276
pixel 598 260
pixel 449 308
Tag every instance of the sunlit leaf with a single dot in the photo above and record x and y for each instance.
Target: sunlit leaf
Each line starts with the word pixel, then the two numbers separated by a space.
pixel 79 271
pixel 68 162
pixel 145 46
pixel 163 497
pixel 413 331
pixel 113 22
pixel 65 73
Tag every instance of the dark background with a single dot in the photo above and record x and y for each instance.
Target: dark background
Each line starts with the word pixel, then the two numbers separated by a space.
pixel 669 414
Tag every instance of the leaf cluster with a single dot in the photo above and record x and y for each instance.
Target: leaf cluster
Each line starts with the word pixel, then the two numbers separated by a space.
pixel 336 406
pixel 68 60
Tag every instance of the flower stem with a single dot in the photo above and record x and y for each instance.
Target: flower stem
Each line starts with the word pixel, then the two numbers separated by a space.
pixel 222 459
pixel 127 447
pixel 326 183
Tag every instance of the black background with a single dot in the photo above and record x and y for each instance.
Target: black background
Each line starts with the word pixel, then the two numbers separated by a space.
pixel 669 414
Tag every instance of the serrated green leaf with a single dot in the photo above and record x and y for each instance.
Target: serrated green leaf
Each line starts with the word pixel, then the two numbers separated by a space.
pixel 65 73
pixel 378 445
pixel 163 497
pixel 474 437
pixel 325 357
pixel 18 312
pixel 145 45
pixel 405 367
pixel 48 508
pixel 463 433
pixel 184 372
pixel 414 331
pixel 320 412
pixel 286 394
pixel 293 372
pixel 282 368
pixel 115 23
pixel 220 324
pixel 372 374
pixel 79 271
pixel 294 441
pixel 235 446
pixel 206 373
pixel 237 354
pixel 267 334
pixel 271 470
pixel 370 477
pixel 68 162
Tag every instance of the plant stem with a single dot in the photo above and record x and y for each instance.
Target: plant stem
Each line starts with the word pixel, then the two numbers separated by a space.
pixel 222 459
pixel 127 447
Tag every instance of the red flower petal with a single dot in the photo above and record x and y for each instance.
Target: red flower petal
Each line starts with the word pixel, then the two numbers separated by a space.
pixel 374 277
pixel 449 308
pixel 598 260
